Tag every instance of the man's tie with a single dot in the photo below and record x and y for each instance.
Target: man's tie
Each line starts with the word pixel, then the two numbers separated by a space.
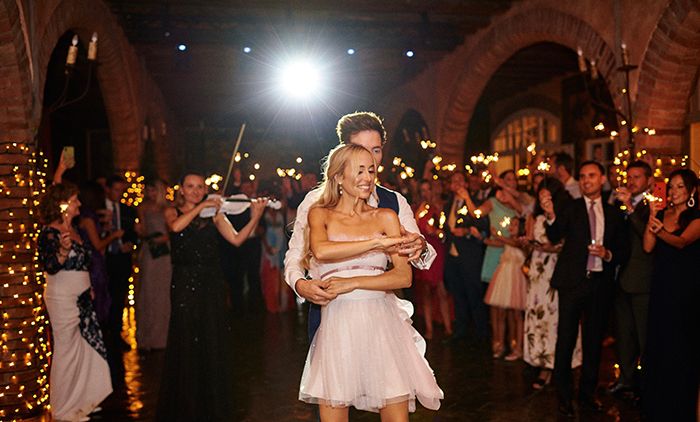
pixel 592 223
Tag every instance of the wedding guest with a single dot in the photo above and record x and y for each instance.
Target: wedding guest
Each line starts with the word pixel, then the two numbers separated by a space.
pixel 562 167
pixel 197 378
pixel 92 210
pixel 431 282
pixel 542 303
pixel 670 365
pixel 464 244
pixel 242 264
pixel 632 292
pixel 274 242
pixel 499 208
pixel 92 199
pixel 594 244
pixel 506 291
pixel 153 296
pixel 118 259
pixel 79 380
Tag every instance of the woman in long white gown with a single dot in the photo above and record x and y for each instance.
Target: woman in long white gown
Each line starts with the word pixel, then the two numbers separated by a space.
pixel 79 378
pixel 365 353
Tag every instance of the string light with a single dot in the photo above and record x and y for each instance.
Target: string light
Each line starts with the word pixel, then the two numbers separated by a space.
pixel 134 194
pixel 24 345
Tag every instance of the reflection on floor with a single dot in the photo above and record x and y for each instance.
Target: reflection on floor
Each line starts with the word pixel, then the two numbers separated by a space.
pixel 270 358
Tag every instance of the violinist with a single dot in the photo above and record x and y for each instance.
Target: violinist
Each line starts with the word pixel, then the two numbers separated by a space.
pixel 197 377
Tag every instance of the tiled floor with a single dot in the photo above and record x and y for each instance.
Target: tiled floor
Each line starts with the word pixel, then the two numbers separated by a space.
pixel 270 357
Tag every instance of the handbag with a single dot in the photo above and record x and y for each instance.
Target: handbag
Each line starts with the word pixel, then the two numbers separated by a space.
pixel 157 249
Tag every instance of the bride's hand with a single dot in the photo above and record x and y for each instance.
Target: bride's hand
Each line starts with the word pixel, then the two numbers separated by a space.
pixel 391 243
pixel 338 286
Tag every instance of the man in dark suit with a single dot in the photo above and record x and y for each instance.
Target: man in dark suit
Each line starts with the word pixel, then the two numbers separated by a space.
pixel 465 254
pixel 594 243
pixel 242 262
pixel 632 293
pixel 118 262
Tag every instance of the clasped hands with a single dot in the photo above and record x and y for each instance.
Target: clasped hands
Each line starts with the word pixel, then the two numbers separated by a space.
pixel 321 292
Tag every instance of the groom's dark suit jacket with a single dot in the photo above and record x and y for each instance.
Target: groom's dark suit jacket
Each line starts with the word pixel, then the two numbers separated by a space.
pixel 572 226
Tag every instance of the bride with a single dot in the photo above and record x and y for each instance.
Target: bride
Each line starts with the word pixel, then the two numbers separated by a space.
pixel 366 353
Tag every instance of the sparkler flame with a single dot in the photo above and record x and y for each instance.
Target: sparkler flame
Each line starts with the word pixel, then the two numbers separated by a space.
pixel 543 166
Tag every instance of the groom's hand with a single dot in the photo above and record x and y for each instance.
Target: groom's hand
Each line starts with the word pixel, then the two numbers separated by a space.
pixel 413 246
pixel 314 291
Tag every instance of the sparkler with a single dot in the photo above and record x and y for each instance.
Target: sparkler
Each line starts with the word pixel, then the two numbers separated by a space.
pixel 544 166
pixel 505 222
pixel 424 212
pixel 650 197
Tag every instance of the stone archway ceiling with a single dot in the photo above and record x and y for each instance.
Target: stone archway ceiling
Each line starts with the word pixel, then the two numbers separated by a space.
pixel 667 73
pixel 528 67
pixel 199 86
pixel 496 46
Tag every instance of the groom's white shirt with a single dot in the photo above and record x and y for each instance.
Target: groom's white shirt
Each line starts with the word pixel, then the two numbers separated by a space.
pixel 293 270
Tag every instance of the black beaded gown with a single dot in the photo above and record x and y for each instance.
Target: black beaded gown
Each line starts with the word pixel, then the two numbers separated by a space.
pixel 197 380
pixel 670 364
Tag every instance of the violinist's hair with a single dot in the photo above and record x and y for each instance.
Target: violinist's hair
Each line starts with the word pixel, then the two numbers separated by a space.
pixel 334 166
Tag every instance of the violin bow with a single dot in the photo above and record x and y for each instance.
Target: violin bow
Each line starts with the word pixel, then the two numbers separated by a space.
pixel 233 157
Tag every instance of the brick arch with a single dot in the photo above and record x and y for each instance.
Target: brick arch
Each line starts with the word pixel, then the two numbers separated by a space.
pixel 667 73
pixel 499 43
pixel 15 83
pixel 117 71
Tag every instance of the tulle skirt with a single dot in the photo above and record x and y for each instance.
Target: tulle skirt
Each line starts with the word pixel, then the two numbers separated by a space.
pixel 508 287
pixel 366 354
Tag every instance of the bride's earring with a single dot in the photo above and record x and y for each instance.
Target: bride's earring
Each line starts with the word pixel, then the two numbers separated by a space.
pixel 691 202
pixel 340 189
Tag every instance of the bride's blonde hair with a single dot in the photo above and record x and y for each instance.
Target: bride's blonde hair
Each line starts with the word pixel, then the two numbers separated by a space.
pixel 334 166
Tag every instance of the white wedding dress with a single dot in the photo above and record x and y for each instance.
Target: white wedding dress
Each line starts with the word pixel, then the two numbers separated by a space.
pixel 366 353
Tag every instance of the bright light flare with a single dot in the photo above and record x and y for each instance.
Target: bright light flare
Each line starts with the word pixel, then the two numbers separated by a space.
pixel 300 79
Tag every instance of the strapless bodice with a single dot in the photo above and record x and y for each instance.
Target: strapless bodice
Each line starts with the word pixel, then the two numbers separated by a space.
pixel 370 263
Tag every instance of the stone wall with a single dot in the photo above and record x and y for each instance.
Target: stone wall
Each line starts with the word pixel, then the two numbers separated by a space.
pixel 663 37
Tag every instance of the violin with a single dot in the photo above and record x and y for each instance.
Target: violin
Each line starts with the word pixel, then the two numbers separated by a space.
pixel 235 205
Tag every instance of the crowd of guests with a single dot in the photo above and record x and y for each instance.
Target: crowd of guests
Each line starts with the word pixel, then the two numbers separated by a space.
pixel 93 247
pixel 536 271
pixel 555 260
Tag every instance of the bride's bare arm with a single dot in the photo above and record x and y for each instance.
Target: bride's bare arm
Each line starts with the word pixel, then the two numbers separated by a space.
pixel 327 250
pixel 400 276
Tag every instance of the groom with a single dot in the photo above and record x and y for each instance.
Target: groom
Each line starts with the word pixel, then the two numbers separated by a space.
pixel 364 129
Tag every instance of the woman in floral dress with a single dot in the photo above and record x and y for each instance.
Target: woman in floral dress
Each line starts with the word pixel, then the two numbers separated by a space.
pixel 542 302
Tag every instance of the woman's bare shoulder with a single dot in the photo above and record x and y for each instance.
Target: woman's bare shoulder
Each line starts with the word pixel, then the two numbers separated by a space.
pixel 386 214
pixel 318 213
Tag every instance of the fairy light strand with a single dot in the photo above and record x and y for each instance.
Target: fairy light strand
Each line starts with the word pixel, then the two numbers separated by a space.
pixel 24 342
